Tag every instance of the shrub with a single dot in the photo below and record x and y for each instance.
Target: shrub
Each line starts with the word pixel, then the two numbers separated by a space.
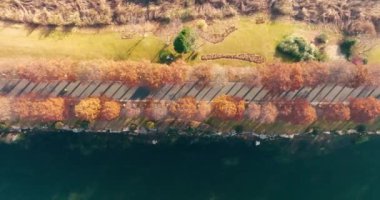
pixel 166 56
pixel 297 49
pixel 347 47
pixel 321 39
pixel 184 42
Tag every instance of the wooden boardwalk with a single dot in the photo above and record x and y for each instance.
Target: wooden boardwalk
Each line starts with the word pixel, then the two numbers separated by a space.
pixel 115 90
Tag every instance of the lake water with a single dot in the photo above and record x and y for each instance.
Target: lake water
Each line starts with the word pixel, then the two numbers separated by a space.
pixel 67 166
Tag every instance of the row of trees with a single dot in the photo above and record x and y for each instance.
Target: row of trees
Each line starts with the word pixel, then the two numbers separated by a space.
pixel 277 77
pixel 298 112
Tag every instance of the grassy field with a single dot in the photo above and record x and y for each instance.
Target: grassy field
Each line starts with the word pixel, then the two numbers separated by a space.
pixel 251 38
pixel 17 41
pixel 20 41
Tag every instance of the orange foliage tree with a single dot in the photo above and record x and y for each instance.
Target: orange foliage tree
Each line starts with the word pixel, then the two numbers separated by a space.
pixel 364 109
pixel 184 108
pixel 110 110
pixel 51 109
pixel 335 112
pixel 227 107
pixel 202 75
pixel 88 109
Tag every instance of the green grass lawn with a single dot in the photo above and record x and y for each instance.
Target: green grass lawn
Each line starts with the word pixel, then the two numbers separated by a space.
pixel 251 38
pixel 17 41
pixel 374 55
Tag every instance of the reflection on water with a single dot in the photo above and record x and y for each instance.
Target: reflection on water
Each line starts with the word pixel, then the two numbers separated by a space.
pixel 76 167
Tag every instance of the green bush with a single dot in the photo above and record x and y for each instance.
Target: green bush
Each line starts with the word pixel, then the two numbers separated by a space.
pixel 297 49
pixel 347 47
pixel 184 42
pixel 166 56
pixel 321 39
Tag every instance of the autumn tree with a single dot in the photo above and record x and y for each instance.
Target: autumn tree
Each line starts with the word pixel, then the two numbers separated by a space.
pixel 132 110
pixel 155 110
pixel 45 110
pixel 110 110
pixel 5 109
pixel 203 110
pixel 253 111
pixel 364 110
pixel 202 75
pixel 88 109
pixel 268 113
pixel 281 77
pixel 184 108
pixel 298 112
pixel 336 112
pixel 315 73
pixel 227 107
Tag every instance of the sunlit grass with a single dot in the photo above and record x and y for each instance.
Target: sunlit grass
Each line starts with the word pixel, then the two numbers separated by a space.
pixel 16 41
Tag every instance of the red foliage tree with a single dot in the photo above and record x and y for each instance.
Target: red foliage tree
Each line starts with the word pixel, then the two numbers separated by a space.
pixel 336 112
pixel 253 111
pixel 268 113
pixel 364 109
pixel 155 110
pixel 282 77
pixel 315 73
pixel 298 112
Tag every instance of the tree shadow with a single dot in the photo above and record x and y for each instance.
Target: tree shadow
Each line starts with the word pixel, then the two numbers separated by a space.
pixel 46 31
pixel 30 28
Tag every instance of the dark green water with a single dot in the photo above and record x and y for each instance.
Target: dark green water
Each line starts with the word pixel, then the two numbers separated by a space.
pixel 63 166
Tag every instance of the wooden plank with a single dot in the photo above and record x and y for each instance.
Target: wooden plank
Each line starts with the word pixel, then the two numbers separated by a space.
pixel 112 90
pixel 9 86
pixel 202 93
pixel 80 89
pixel 57 90
pixel 235 89
pixel 314 92
pixel 70 88
pixel 101 89
pixel 213 92
pixel 170 94
pixel 19 88
pixel 243 91
pixel 226 88
pixel 185 89
pixel 321 96
pixel 163 91
pixel 39 87
pixel 344 94
pixel 49 88
pixel 194 91
pixel 120 93
pixel 303 93
pixel 129 94
pixel 334 93
pixel 261 95
pixel 90 89
pixel 367 92
pixel 29 88
pixel 249 97
pixel 356 92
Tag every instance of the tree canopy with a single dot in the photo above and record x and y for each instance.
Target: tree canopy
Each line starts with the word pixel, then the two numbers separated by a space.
pixel 184 42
